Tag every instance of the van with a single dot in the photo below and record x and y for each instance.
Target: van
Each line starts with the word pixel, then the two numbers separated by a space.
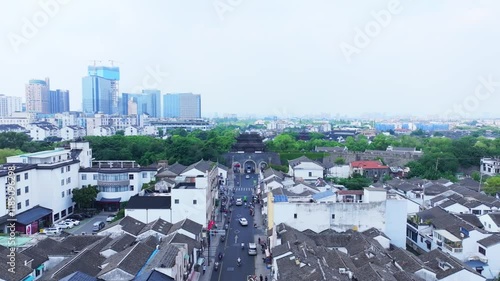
pixel 252 249
pixel 52 231
pixel 98 226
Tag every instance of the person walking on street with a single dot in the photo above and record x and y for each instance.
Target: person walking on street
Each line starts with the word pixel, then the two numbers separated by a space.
pixel 265 278
pixel 204 269
pixel 261 278
pixel 259 240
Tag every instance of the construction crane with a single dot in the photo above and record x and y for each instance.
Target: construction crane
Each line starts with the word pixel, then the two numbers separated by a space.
pixel 113 62
pixel 95 62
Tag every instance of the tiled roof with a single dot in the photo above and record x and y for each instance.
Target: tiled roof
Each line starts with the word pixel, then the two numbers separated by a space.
pixel 159 225
pixel 120 243
pixel 149 202
pixel 490 240
pixel 302 159
pixel 131 225
pixel 368 165
pixel 130 260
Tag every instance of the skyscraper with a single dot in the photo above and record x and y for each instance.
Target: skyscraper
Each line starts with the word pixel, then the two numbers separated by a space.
pixel 37 96
pixel 182 105
pixel 9 104
pixel 100 90
pixel 146 102
pixel 59 101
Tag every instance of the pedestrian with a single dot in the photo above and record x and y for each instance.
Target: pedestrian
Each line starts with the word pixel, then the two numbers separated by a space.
pixel 261 278
pixel 204 269
pixel 265 278
pixel 259 240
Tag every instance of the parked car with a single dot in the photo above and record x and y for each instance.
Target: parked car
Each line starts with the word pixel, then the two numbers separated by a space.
pixel 110 218
pixel 51 231
pixel 63 225
pixel 247 176
pixel 243 221
pixel 98 226
pixel 239 202
pixel 78 217
pixel 75 222
pixel 252 249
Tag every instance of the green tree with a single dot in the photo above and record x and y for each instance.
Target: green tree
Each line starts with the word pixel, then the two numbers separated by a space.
pixel 84 197
pixel 492 186
pixel 476 176
pixel 120 133
pixel 6 152
pixel 339 161
pixel 381 142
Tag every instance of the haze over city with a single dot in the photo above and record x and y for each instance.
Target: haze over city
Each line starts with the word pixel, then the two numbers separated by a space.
pixel 268 58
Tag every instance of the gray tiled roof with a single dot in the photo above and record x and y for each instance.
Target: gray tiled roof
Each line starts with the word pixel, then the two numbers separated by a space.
pixel 490 240
pixel 408 261
pixel 120 243
pixel 183 239
pixel 188 225
pixel 201 166
pixel 130 260
pixel 131 225
pixel 302 159
pixel 374 272
pixel 79 242
pixel 21 270
pixel 433 258
pixel 495 217
pixel 161 226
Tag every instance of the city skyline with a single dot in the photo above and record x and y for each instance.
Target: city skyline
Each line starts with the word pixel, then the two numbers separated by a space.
pixel 416 58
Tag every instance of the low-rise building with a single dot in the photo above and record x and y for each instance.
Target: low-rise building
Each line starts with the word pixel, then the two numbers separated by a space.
pixel 305 169
pixel 42 130
pixel 72 132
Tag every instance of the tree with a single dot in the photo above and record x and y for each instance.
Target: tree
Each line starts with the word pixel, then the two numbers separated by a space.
pixel 160 132
pixel 120 133
pixel 84 197
pixel 6 152
pixel 339 161
pixel 492 186
pixel 476 176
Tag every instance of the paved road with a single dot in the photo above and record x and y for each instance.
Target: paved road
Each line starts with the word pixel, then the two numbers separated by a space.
pixel 87 224
pixel 229 270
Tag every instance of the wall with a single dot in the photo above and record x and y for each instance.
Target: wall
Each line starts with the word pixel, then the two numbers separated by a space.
pixel 457 209
pixel 395 221
pixel 303 169
pixel 147 216
pixel 470 246
pixel 464 275
pixel 342 171
pixel 489 224
pixel 186 209
pixel 371 195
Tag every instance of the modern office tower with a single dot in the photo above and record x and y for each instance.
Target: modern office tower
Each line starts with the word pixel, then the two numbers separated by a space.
pixel 10 104
pixel 37 96
pixel 146 102
pixel 100 90
pixel 59 101
pixel 183 105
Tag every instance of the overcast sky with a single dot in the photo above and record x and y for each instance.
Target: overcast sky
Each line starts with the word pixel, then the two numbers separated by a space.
pixel 281 57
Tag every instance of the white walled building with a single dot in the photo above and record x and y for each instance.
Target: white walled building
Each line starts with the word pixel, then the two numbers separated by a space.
pixel 490 166
pixel 117 122
pixel 72 132
pixel 339 171
pixel 305 168
pixel 116 181
pixel 133 131
pixel 377 210
pixel 150 208
pixel 104 131
pixel 41 131
pixel 9 105
pixel 491 222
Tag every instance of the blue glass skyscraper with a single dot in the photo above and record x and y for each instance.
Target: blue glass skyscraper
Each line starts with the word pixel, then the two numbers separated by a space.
pixel 183 105
pixel 148 101
pixel 100 90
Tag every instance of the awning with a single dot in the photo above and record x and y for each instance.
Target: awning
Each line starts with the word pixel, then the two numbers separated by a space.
pixel 210 225
pixel 32 215
pixel 110 200
pixel 447 235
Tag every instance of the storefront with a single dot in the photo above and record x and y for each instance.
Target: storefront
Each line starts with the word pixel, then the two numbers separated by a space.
pixel 31 221
pixel 109 204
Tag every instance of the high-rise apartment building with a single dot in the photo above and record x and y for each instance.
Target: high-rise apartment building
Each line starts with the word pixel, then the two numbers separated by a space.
pixel 9 105
pixel 100 90
pixel 38 96
pixel 182 105
pixel 59 101
pixel 149 101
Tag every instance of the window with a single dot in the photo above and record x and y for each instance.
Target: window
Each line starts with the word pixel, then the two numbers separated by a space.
pixel 56 217
pixel 70 210
pixel 62 182
pixel 476 212
pixel 294 216
pixel 27 203
pixel 62 194
pixel 26 189
pixel 84 177
pixel 310 174
pixel 195 202
pixel 68 168
pixel 131 176
pixel 19 205
pixel 482 251
pixel 144 175
pixel 18 178
pixel 176 201
pixel 63 213
pixel 95 177
pixel 62 170
pixel 333 216
pixel 25 176
pixel 18 191
pixel 68 192
pixel 68 180
pixel 131 188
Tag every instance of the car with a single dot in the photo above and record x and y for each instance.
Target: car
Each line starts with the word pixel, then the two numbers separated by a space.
pixel 252 249
pixel 72 224
pixel 73 221
pixel 78 217
pixel 243 221
pixel 110 218
pixel 98 226
pixel 247 176
pixel 51 231
pixel 63 225
pixel 239 202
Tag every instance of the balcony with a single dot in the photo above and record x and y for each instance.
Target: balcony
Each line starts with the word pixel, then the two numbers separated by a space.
pixel 113 183
pixel 451 249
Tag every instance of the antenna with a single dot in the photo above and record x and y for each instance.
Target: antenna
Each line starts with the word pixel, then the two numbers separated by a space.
pixel 95 62
pixel 112 62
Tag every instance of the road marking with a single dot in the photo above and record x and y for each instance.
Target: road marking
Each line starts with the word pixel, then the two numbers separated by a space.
pixel 220 269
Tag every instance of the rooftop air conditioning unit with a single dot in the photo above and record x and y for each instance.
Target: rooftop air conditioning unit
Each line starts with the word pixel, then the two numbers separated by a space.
pixel 342 270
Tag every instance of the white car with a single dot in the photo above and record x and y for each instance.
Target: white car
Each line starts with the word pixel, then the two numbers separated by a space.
pixel 110 218
pixel 63 225
pixel 243 221
pixel 74 222
pixel 239 202
pixel 247 176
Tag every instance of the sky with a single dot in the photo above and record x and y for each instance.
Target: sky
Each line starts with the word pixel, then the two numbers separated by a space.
pixel 281 57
